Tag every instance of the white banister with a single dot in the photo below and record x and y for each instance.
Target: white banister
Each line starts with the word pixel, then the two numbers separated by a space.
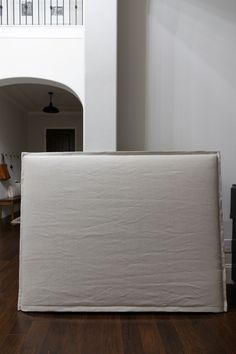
pixel 41 12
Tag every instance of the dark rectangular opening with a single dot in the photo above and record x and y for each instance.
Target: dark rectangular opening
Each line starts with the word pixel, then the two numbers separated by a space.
pixel 59 140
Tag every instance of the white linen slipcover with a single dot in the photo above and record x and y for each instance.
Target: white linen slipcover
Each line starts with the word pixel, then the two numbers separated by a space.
pixel 121 232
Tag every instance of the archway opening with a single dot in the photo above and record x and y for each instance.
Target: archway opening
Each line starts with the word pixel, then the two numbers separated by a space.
pixel 24 126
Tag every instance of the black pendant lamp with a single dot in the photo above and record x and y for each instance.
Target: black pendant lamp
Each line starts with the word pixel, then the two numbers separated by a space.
pixel 50 108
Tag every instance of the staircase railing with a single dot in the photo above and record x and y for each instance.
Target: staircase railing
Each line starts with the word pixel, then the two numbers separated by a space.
pixel 41 12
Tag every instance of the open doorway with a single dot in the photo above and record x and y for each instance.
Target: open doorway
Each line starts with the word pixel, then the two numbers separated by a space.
pixel 26 126
pixel 58 140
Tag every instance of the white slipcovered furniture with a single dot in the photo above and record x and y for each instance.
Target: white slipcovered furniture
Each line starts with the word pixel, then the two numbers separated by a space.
pixel 121 232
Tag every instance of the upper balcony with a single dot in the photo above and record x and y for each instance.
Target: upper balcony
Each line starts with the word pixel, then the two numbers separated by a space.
pixel 41 13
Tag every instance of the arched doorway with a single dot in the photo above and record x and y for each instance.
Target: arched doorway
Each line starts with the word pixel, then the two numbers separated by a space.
pixel 24 126
pixel 30 96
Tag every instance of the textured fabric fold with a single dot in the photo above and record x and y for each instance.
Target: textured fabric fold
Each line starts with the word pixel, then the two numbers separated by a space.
pixel 121 232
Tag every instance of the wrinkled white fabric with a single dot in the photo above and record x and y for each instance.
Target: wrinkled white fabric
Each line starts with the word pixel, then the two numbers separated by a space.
pixel 121 232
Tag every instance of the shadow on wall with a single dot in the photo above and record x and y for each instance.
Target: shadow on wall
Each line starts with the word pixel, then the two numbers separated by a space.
pixel 204 28
pixel 131 74
pixel 179 50
pixel 224 9
pixel 191 75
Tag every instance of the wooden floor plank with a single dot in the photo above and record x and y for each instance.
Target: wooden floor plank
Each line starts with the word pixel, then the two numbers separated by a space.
pixel 54 342
pixel 102 335
pixel 74 338
pixel 132 340
pixel 11 344
pixel 150 336
pixel 207 336
pixel 226 338
pixel 35 337
pixel 21 325
pixel 187 334
pixel 171 339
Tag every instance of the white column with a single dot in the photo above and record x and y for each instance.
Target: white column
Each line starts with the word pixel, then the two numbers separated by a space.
pixel 100 20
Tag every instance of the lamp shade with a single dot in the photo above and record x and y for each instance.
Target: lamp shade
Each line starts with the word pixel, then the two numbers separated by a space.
pixel 50 108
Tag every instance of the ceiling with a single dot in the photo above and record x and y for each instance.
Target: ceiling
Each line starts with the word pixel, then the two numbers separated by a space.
pixel 33 97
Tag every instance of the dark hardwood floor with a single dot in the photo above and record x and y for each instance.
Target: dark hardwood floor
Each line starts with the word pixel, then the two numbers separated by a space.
pixel 31 333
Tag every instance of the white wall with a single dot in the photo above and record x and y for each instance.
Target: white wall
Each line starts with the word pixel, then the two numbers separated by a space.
pixel 101 66
pixel 132 25
pixel 38 122
pixel 83 59
pixel 13 140
pixel 13 123
pixel 55 59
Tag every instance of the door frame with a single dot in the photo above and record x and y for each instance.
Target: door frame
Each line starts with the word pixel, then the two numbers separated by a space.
pixel 58 128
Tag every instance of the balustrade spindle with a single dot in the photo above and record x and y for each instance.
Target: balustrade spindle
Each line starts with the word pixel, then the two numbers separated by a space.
pixel 1 11
pixel 41 12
